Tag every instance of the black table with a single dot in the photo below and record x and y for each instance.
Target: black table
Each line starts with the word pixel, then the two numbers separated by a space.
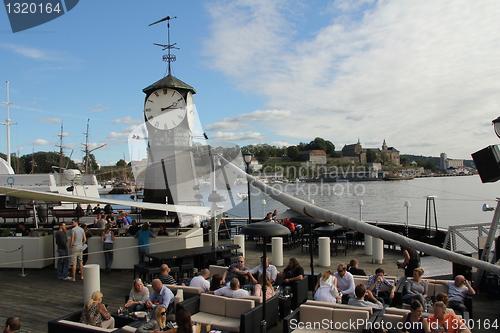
pixel 196 255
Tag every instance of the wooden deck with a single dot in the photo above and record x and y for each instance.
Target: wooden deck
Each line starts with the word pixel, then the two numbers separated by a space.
pixel 40 296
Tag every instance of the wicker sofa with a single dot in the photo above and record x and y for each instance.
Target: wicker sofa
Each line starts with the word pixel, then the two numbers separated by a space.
pixel 71 323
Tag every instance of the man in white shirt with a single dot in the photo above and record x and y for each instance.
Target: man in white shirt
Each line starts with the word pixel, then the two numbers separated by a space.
pixel 233 290
pixel 271 270
pixel 345 283
pixel 201 281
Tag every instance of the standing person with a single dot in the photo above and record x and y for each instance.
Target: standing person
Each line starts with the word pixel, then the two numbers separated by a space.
pixel 12 325
pixel 76 245
pixel 326 288
pixel 62 253
pixel 201 280
pixel 101 223
pixel 88 235
pixel 137 297
pixel 375 282
pixel 345 283
pixel 107 238
pixel 95 313
pixel 143 237
pixel 132 230
pixel 411 260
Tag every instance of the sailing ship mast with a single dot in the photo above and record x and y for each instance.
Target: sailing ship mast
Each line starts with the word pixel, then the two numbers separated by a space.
pixel 87 150
pixel 7 121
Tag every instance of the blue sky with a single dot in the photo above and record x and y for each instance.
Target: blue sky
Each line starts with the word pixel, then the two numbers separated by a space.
pixel 423 75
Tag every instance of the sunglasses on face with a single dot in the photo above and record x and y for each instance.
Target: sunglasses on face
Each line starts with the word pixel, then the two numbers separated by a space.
pixel 163 313
pixel 240 260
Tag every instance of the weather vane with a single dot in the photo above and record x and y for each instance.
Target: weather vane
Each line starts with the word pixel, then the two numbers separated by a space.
pixel 167 57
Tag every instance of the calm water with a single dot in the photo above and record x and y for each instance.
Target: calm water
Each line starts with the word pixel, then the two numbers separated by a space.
pixel 458 199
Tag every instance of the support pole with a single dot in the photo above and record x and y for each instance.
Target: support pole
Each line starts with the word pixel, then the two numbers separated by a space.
pixel 240 240
pixel 378 251
pixel 487 245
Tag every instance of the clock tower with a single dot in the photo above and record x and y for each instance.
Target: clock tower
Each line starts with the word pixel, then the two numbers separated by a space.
pixel 169 116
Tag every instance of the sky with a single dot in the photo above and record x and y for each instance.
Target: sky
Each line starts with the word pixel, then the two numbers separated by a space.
pixel 423 75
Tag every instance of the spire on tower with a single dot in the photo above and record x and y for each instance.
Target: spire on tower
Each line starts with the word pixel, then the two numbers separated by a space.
pixel 167 57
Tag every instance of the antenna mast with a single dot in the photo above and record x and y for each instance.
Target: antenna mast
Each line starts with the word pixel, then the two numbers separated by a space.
pixel 167 57
pixel 7 121
pixel 61 150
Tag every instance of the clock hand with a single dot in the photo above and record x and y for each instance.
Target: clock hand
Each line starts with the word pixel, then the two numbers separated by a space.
pixel 173 105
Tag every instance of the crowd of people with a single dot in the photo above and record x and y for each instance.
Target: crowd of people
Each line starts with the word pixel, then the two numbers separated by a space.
pixel 263 280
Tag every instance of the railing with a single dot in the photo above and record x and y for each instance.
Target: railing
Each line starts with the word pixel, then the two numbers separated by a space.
pixel 468 238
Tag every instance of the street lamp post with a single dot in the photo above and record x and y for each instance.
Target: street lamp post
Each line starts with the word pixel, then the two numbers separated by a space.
pixel 264 230
pixel 247 158
pixel 407 205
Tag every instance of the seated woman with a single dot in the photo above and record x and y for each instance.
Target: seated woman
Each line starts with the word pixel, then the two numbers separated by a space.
pixel 95 313
pixel 326 288
pixel 414 322
pixel 157 323
pixel 416 288
pixel 137 297
pixel 216 282
pixel 183 321
pixel 257 290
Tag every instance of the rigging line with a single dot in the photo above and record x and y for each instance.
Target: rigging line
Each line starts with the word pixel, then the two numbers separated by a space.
pixel 420 197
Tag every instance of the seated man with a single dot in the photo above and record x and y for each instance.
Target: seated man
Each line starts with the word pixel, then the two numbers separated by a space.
pixel 345 283
pixel 375 282
pixel 164 276
pixel 239 271
pixel 360 292
pixel 354 269
pixel 201 281
pixel 457 292
pixel 233 290
pixel 12 325
pixel 271 270
pixel 161 295
pixel 441 321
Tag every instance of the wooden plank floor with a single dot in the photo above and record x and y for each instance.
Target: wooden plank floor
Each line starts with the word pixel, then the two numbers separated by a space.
pixel 40 296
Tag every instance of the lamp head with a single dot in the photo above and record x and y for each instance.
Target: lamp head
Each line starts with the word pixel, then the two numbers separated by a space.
pixel 247 157
pixel 496 126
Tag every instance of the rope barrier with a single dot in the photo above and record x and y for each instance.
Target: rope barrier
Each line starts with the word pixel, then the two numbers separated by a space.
pixel 22 258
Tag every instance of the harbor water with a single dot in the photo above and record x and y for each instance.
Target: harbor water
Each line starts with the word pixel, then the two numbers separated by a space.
pixel 458 200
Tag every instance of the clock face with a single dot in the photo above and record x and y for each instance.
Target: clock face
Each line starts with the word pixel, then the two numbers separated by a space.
pixel 165 108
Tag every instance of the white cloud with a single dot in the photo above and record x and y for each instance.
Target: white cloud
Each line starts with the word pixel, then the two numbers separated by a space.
pixel 227 126
pixel 63 134
pixel 30 52
pixel 98 108
pixel 414 73
pixel 50 120
pixel 115 136
pixel 127 120
pixel 40 142
pixel 254 137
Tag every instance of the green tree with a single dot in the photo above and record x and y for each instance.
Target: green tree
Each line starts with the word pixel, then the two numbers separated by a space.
pixel 371 156
pixel 293 152
pixel 121 163
pixel 262 155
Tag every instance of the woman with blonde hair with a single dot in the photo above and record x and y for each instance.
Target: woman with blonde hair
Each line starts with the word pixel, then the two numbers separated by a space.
pixel 416 288
pixel 137 297
pixel 95 313
pixel 326 288
pixel 257 291
pixel 157 323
